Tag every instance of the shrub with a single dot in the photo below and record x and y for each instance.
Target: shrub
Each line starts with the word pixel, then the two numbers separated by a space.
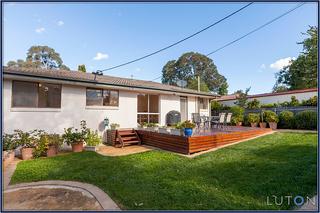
pixel 313 101
pixel 253 118
pixel 216 106
pixel 9 142
pixel 28 139
pixel 306 120
pixel 237 114
pixel 188 124
pixel 152 124
pixel 271 116
pixel 254 104
pixel 294 101
pixel 93 138
pixel 286 119
pixel 269 105
pixel 45 141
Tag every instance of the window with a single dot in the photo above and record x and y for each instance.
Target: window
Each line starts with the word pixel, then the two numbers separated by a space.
pixel 37 95
pixel 148 108
pixel 203 103
pixel 100 97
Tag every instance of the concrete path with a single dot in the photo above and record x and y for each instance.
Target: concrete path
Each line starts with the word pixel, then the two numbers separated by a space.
pixel 8 172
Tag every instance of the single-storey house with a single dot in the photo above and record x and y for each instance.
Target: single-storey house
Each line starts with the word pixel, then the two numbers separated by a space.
pixel 270 98
pixel 56 99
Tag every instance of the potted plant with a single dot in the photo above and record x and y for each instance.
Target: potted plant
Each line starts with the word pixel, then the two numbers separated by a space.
pixel 188 126
pixel 237 115
pixel 9 145
pixel 153 127
pixel 54 143
pixel 253 119
pixel 272 119
pixel 92 141
pixel 177 129
pixel 163 129
pixel 262 124
pixel 76 138
pixel 112 133
pixel 28 141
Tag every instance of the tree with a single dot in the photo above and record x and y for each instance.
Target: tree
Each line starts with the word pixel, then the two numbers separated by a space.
pixel 242 97
pixel 193 84
pixel 302 72
pixel 190 65
pixel 82 68
pixel 40 57
pixel 279 88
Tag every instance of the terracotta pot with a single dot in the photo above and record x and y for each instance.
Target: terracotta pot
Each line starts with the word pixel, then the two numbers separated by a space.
pixel 263 124
pixel 7 157
pixel 26 153
pixel 239 124
pixel 77 147
pixel 254 124
pixel 52 151
pixel 273 125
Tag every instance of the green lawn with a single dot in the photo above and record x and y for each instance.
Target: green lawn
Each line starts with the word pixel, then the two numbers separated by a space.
pixel 236 177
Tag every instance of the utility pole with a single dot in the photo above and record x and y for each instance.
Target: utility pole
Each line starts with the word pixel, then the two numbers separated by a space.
pixel 198 83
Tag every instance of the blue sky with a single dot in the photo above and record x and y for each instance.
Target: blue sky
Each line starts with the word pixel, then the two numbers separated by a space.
pixel 103 35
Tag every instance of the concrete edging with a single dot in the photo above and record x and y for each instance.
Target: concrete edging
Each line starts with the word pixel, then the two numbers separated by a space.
pixel 104 200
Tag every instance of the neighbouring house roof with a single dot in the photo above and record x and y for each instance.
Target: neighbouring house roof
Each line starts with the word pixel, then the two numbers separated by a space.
pixel 86 78
pixel 234 97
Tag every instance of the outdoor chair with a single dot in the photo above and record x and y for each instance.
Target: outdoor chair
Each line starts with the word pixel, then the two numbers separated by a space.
pixel 220 121
pixel 228 119
pixel 205 121
pixel 196 119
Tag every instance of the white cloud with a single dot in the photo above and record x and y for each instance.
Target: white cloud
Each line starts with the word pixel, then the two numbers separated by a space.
pixel 263 66
pixel 100 56
pixel 40 30
pixel 281 63
pixel 60 23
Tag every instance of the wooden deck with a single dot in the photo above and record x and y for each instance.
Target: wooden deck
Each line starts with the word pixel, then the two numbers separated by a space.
pixel 199 141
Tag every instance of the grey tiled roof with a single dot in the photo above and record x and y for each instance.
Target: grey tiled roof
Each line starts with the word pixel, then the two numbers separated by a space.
pixel 103 79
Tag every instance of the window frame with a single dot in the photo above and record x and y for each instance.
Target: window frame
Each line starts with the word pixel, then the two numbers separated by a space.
pixel 102 96
pixel 149 113
pixel 38 92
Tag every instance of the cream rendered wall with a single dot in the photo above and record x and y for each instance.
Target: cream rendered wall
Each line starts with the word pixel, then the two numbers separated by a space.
pixel 276 98
pixel 73 110
pixel 167 104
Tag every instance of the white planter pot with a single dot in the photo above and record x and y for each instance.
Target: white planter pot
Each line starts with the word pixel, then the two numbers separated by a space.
pixel 164 130
pixel 176 132
pixel 91 148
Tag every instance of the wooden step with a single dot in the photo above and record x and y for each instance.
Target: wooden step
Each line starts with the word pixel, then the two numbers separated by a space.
pixel 129 138
pixel 131 142
pixel 124 134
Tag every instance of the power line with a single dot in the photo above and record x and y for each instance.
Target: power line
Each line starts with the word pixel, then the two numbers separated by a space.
pixel 256 29
pixel 178 42
pixel 253 31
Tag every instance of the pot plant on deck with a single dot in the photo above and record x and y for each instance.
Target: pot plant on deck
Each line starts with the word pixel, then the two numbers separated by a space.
pixel 163 130
pixel 253 119
pixel 187 127
pixel 177 129
pixel 9 145
pixel 262 124
pixel 153 127
pixel 272 119
pixel 92 141
pixel 112 134
pixel 237 115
